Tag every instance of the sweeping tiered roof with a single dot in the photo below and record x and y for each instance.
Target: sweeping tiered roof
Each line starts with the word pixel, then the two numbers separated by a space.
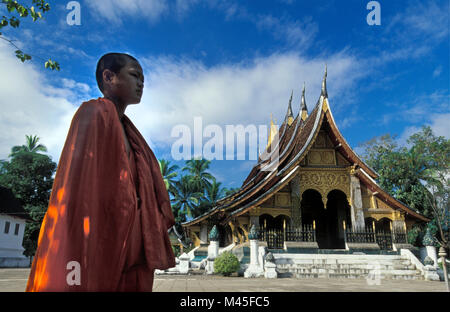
pixel 296 137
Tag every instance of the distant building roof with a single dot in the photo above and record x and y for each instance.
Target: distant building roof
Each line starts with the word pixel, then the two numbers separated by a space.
pixel 10 205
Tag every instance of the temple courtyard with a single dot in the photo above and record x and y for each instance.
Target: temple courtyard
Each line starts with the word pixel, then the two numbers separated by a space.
pixel 14 280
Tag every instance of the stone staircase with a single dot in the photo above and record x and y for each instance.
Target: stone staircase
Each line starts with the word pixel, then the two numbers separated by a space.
pixel 346 266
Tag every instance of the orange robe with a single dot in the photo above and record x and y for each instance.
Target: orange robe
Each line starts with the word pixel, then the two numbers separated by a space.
pixel 108 213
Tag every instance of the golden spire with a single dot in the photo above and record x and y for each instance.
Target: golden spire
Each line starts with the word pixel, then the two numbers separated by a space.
pixel 273 131
pixel 324 92
pixel 289 119
pixel 303 108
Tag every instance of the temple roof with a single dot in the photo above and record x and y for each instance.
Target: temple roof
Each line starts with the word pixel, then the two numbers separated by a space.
pixel 271 174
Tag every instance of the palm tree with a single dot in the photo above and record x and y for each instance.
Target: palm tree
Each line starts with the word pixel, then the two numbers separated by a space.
pixel 197 169
pixel 185 196
pixel 169 173
pixel 212 194
pixel 31 146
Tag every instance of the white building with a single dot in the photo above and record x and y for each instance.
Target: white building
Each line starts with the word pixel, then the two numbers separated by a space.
pixel 12 228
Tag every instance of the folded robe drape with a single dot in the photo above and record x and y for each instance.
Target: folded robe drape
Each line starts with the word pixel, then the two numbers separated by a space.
pixel 93 205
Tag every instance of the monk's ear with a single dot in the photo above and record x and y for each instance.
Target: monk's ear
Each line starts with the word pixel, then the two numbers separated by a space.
pixel 108 76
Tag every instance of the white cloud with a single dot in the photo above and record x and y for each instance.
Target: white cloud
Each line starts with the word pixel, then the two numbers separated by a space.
pixel 245 93
pixel 115 10
pixel 421 23
pixel 176 91
pixel 440 124
pixel 30 106
pixel 437 72
pixel 294 33
pixel 419 109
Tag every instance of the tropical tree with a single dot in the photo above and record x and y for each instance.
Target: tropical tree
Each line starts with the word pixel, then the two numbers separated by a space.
pixel 169 173
pixel 416 175
pixel 199 176
pixel 29 176
pixel 213 193
pixel 31 146
pixel 17 10
pixel 185 197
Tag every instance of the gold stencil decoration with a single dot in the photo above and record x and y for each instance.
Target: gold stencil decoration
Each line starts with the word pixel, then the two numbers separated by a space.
pixel 325 181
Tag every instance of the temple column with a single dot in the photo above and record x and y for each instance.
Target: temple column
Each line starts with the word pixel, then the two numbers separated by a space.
pixel 296 213
pixel 356 206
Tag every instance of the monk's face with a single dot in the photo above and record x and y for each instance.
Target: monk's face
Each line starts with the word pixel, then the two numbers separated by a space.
pixel 127 85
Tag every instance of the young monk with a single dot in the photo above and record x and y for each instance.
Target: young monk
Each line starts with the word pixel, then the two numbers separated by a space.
pixel 106 225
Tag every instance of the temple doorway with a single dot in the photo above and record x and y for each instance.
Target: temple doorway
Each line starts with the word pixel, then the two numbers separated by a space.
pixel 337 212
pixel 328 222
pixel 313 212
pixel 225 235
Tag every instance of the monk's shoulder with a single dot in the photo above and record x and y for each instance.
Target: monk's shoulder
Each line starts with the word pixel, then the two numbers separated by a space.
pixel 97 109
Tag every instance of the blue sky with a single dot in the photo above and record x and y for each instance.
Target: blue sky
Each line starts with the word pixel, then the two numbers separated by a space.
pixel 231 63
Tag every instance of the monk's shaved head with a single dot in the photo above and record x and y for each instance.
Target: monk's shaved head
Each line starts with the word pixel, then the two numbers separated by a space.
pixel 114 62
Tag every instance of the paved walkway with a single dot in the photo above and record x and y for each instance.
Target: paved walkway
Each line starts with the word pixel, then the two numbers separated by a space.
pixel 16 280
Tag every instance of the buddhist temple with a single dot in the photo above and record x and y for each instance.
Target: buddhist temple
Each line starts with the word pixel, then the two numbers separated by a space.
pixel 318 192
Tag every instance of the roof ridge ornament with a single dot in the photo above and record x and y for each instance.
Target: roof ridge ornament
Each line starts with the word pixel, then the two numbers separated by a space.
pixel 303 107
pixel 289 119
pixel 324 92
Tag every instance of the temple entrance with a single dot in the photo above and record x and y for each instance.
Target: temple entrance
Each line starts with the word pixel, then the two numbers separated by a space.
pixel 337 212
pixel 225 235
pixel 328 222
pixel 313 212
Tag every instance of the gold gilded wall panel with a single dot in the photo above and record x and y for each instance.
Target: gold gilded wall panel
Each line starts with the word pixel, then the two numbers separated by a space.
pixel 382 205
pixel 325 180
pixel 322 141
pixel 322 157
pixel 274 212
pixel 341 161
pixel 282 199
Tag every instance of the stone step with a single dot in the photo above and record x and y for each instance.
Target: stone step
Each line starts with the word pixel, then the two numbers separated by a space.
pixel 341 261
pixel 382 274
pixel 355 276
pixel 349 270
pixel 346 267
pixel 338 257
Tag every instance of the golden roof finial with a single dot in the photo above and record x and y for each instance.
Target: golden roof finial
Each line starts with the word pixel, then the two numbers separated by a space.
pixel 303 107
pixel 289 119
pixel 324 92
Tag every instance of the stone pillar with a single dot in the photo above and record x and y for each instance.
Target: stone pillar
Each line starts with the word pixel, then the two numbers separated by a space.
pixel 430 250
pixel 270 268
pixel 213 250
pixel 296 213
pixel 356 206
pixel 254 269
pixel 184 263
